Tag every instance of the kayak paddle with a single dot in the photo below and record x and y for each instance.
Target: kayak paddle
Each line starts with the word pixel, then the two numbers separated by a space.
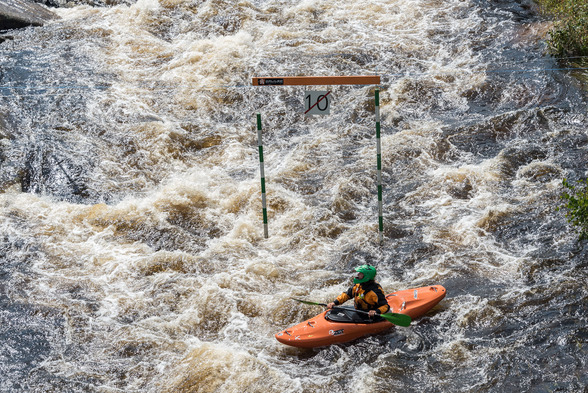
pixel 396 319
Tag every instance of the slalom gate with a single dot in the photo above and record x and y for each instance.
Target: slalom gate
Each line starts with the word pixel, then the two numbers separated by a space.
pixel 318 103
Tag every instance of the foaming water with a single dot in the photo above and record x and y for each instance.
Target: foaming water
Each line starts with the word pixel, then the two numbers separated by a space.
pixel 133 256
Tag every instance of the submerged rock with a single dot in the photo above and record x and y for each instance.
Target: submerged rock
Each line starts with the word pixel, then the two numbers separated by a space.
pixel 15 14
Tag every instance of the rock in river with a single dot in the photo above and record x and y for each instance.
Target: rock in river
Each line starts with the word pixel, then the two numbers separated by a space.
pixel 21 13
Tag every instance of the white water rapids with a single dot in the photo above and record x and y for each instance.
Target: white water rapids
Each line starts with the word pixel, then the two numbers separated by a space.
pixel 133 257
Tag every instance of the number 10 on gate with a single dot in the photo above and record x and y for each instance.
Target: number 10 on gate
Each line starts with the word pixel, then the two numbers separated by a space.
pixel 317 102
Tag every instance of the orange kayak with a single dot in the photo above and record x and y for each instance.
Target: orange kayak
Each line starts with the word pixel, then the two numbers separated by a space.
pixel 342 324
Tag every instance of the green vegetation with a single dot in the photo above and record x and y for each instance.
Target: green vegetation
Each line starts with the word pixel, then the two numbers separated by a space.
pixel 569 36
pixel 576 203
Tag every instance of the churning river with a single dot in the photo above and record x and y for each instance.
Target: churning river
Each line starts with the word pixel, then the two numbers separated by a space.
pixel 132 255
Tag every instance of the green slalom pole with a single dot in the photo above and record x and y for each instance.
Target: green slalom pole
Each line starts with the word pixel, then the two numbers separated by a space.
pixel 262 173
pixel 379 153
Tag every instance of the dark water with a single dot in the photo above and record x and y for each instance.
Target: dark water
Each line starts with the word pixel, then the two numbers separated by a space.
pixel 132 251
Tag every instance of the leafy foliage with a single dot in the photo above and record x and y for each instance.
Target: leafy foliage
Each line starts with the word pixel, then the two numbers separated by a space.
pixel 576 203
pixel 570 34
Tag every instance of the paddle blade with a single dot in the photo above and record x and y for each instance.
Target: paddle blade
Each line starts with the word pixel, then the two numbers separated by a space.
pixel 397 319
pixel 310 303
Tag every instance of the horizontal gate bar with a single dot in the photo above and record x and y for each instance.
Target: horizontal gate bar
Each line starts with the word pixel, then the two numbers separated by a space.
pixel 316 80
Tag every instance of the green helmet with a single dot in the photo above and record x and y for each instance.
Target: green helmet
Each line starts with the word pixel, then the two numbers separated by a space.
pixel 369 273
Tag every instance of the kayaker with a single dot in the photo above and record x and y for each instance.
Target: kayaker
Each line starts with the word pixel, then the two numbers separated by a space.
pixel 366 293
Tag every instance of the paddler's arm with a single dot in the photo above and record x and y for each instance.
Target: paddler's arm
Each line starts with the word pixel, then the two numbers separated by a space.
pixel 342 298
pixel 379 299
pixel 383 309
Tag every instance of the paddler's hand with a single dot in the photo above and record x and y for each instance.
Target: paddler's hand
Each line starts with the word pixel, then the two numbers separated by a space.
pixel 330 305
pixel 372 313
